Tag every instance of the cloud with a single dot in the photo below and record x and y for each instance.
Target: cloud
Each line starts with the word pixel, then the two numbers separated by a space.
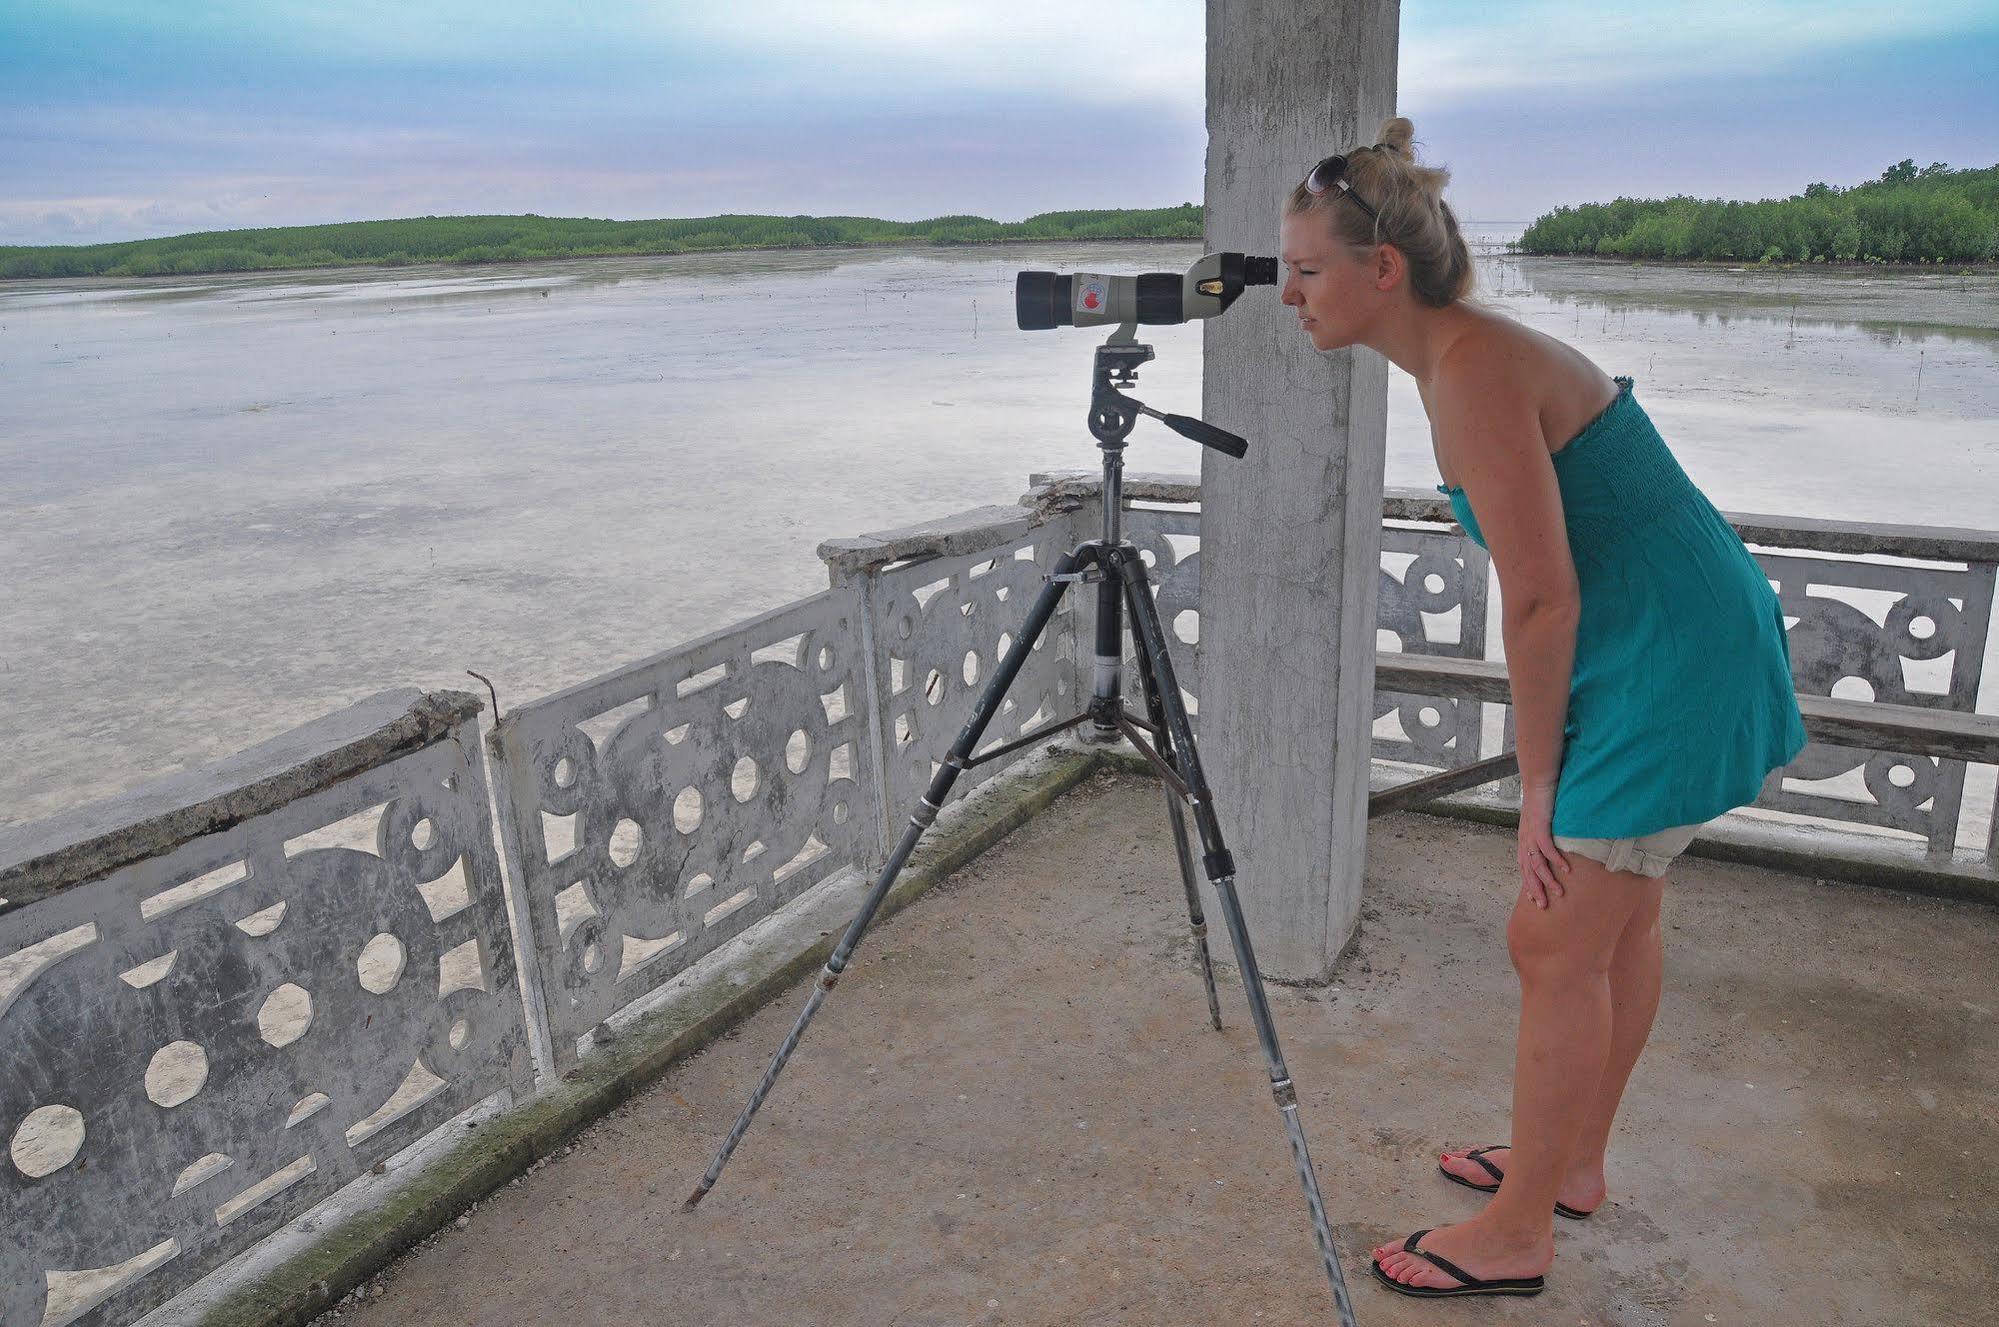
pixel 91 220
pixel 1453 54
pixel 807 50
pixel 1110 51
pixel 119 120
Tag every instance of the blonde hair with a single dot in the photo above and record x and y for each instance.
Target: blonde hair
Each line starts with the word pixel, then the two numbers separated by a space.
pixel 1413 215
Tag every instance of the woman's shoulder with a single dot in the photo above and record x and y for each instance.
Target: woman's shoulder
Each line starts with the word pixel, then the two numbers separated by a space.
pixel 1487 366
pixel 1490 348
pixel 1500 366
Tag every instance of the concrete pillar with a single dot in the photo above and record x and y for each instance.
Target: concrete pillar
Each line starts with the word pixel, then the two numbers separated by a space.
pixel 1291 535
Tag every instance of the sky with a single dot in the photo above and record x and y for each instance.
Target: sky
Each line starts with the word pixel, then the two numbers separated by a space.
pixel 124 120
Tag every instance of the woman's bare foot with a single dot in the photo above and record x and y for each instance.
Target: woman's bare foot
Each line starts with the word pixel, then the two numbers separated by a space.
pixel 1485 1253
pixel 1582 1190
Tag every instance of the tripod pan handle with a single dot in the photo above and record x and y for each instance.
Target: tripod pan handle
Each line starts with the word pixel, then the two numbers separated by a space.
pixel 1206 434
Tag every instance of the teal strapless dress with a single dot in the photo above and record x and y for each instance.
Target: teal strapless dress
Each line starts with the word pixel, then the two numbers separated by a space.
pixel 1680 698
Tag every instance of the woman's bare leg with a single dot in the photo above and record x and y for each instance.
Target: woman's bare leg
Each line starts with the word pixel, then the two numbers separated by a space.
pixel 1563 956
pixel 1636 972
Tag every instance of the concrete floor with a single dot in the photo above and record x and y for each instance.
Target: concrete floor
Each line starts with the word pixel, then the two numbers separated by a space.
pixel 1013 1111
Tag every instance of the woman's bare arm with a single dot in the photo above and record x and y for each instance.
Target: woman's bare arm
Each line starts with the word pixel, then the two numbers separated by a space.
pixel 1489 432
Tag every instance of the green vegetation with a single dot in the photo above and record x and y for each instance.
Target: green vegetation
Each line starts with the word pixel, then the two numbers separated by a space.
pixel 508 239
pixel 1932 215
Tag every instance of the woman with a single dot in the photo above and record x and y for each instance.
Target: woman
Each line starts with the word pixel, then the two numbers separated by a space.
pixel 1650 673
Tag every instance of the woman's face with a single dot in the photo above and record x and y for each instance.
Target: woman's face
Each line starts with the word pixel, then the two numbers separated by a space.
pixel 1328 283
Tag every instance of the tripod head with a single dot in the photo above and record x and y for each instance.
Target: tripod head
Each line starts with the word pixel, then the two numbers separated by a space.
pixel 1113 414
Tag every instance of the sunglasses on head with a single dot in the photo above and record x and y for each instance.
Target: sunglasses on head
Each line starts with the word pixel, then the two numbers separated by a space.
pixel 1329 174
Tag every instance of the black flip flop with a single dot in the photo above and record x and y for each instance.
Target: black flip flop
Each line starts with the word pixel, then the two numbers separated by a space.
pixel 1478 1154
pixel 1470 1285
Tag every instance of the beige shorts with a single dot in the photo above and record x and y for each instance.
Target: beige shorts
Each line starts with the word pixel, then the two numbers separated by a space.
pixel 1647 854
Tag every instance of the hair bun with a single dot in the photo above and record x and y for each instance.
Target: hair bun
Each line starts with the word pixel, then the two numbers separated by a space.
pixel 1398 202
pixel 1397 133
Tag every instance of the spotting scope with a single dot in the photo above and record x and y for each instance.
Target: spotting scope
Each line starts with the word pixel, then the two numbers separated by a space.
pixel 1088 299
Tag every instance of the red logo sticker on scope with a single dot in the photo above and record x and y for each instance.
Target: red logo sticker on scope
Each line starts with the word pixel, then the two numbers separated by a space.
pixel 1091 295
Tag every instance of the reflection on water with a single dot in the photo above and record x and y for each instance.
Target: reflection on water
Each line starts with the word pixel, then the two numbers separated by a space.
pixel 1889 306
pixel 230 504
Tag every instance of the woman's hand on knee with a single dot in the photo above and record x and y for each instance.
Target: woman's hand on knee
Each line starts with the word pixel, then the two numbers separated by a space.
pixel 1543 866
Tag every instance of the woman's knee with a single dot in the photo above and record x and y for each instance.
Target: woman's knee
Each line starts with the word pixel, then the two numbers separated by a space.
pixel 1544 952
pixel 1546 947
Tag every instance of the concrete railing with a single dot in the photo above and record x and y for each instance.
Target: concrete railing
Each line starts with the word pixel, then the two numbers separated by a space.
pixel 652 814
pixel 1891 617
pixel 229 993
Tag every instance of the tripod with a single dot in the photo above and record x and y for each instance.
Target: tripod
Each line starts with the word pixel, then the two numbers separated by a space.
pixel 1114 566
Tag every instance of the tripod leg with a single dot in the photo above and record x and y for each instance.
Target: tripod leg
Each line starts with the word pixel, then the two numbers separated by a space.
pixel 919 821
pixel 1155 711
pixel 1123 561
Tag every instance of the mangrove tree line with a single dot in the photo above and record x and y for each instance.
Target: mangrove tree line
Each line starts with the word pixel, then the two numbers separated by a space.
pixel 1932 215
pixel 506 239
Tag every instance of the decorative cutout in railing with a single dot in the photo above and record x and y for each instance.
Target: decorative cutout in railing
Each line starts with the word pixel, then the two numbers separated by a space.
pixel 941 626
pixel 1170 543
pixel 1437 730
pixel 1835 642
pixel 201 1045
pixel 656 812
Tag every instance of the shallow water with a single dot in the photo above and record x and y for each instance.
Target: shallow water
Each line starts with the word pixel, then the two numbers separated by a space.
pixel 231 504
